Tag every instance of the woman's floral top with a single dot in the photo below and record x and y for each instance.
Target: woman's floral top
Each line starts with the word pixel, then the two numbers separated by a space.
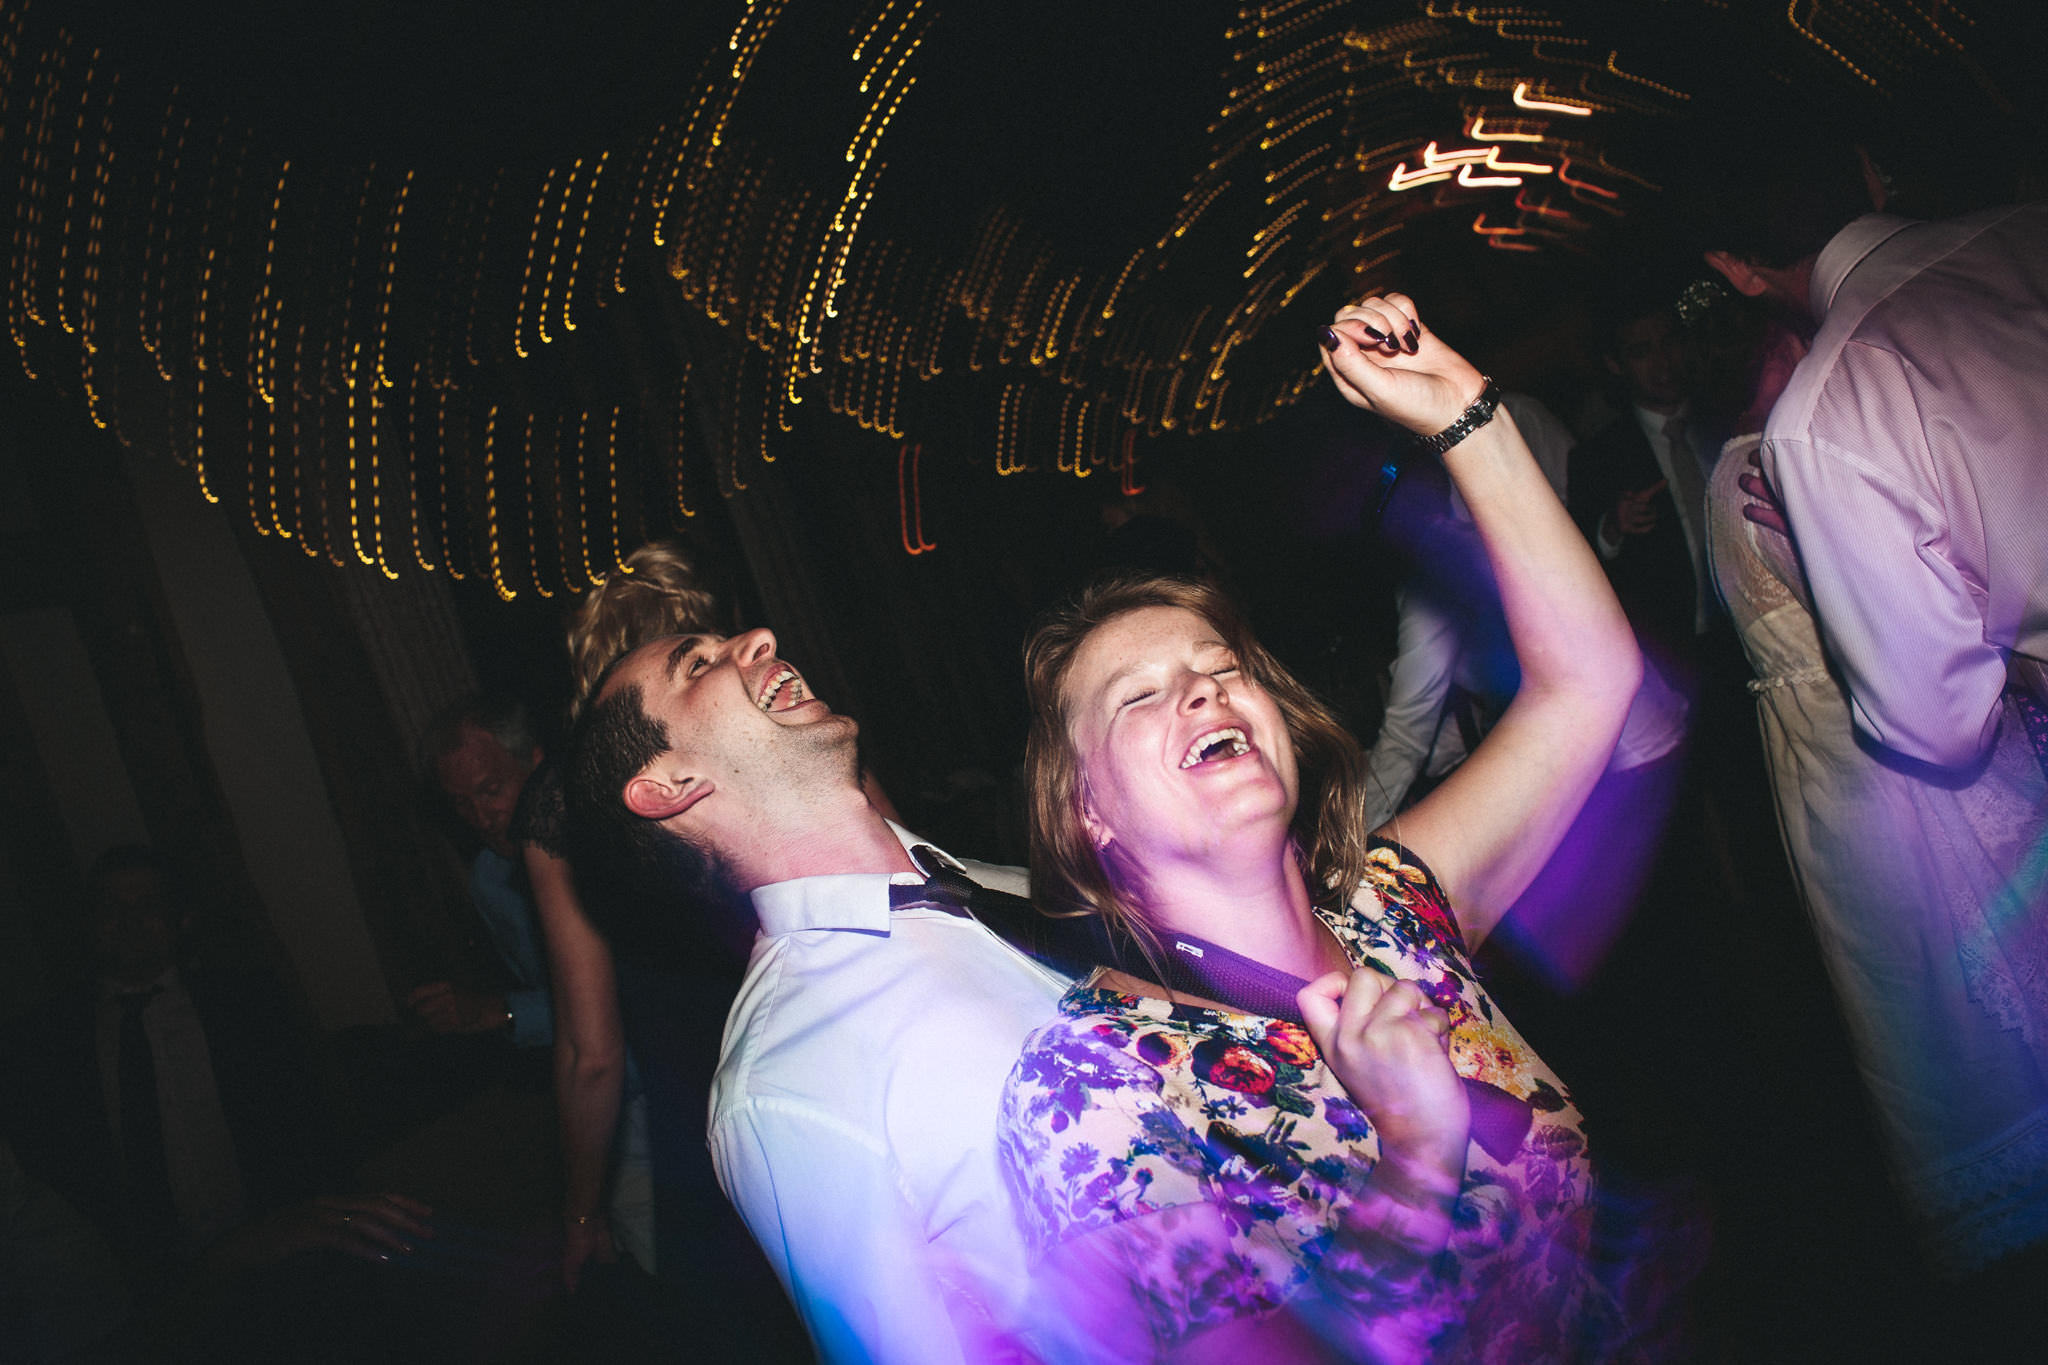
pixel 1126 1109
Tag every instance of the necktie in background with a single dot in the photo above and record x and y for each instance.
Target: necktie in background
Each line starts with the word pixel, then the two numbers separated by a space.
pixel 1689 491
pixel 142 1126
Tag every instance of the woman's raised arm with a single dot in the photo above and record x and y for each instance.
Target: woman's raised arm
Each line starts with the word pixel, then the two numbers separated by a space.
pixel 1493 823
pixel 590 1057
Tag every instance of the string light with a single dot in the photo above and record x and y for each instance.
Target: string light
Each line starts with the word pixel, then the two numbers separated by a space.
pixel 505 593
pixel 582 232
pixel 1524 100
pixel 526 280
pixel 682 413
pixel 910 500
pixel 555 250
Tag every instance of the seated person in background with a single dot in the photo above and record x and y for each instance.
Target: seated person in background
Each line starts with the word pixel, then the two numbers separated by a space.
pixel 168 1102
pixel 853 1114
pixel 1390 1174
pixel 481 752
pixel 64 1291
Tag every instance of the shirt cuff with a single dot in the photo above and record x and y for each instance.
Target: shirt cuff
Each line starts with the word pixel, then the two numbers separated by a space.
pixel 1606 539
pixel 533 1018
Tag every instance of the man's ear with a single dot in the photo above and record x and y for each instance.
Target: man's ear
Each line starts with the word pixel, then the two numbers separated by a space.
pixel 657 798
pixel 1739 273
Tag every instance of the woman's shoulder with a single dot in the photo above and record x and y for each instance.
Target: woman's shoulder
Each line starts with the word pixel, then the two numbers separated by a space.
pixel 1079 1059
pixel 1398 884
pixel 1091 1017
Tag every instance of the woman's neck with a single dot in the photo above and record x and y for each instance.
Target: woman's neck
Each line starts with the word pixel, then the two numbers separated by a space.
pixel 1263 913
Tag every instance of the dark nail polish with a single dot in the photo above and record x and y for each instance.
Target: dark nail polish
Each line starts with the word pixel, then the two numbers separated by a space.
pixel 1414 339
pixel 1329 338
pixel 1375 333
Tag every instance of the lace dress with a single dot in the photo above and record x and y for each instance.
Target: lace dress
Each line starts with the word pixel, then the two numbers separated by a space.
pixel 1929 906
pixel 1205 1158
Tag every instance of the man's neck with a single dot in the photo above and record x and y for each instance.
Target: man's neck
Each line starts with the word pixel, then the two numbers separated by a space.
pixel 836 837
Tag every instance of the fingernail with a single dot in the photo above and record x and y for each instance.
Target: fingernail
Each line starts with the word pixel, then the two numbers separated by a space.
pixel 1329 338
pixel 1413 338
pixel 1375 333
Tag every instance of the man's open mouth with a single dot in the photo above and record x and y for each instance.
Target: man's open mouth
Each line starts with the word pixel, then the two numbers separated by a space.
pixel 1228 742
pixel 783 690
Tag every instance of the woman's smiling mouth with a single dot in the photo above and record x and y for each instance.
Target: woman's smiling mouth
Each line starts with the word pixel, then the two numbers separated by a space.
pixel 1225 742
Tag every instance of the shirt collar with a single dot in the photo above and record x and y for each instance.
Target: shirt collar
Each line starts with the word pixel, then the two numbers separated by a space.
pixel 1844 252
pixel 165 984
pixel 495 866
pixel 842 900
pixel 1653 423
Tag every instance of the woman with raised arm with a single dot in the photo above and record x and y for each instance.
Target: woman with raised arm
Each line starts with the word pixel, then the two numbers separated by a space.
pixel 606 1203
pixel 1295 1127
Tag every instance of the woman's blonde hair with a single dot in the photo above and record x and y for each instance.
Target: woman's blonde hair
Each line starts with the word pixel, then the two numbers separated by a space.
pixel 1067 872
pixel 656 594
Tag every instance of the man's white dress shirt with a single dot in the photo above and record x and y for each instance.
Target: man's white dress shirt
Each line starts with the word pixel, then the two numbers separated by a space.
pixel 199 1148
pixel 1911 453
pixel 853 1116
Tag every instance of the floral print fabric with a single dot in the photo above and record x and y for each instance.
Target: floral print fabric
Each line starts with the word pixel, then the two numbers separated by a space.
pixel 1126 1111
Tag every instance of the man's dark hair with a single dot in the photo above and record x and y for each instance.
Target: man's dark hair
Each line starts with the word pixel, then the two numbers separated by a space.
pixel 652 893
pixel 500 715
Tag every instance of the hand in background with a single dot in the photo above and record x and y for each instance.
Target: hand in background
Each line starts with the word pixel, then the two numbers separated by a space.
pixel 1763 508
pixel 447 1008
pixel 1635 512
pixel 585 1239
pixel 372 1227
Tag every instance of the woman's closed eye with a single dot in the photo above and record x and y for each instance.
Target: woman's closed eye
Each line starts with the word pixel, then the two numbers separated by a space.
pixel 1137 697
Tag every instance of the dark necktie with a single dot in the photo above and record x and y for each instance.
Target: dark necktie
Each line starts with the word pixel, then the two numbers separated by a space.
pixel 1689 492
pixel 1071 946
pixel 142 1126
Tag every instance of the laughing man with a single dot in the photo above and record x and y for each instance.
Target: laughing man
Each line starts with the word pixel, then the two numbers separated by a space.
pixel 853 1113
